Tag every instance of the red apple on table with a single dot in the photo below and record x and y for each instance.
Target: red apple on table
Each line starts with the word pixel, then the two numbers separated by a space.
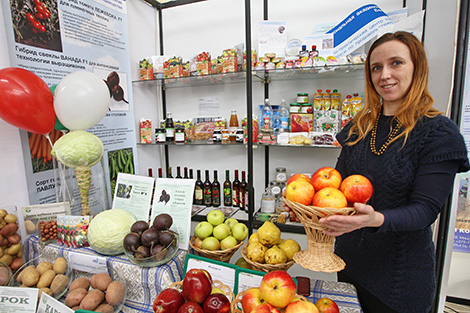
pixel 301 306
pixel 326 305
pixel 251 299
pixel 330 197
pixel 357 188
pixel 265 308
pixel 300 191
pixel 190 307
pixel 216 303
pixel 278 288
pixel 168 301
pixel 326 177
pixel 298 176
pixel 196 285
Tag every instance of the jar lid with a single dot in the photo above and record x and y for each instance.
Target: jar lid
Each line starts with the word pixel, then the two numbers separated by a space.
pixel 302 94
pixel 295 104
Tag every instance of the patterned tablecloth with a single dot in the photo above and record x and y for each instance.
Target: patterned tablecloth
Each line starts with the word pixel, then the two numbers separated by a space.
pixel 344 294
pixel 143 283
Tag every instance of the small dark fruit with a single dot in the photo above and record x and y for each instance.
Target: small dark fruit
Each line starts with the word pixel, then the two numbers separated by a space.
pixel 139 227
pixel 156 249
pixel 150 237
pixel 142 252
pixel 162 221
pixel 131 242
pixel 166 238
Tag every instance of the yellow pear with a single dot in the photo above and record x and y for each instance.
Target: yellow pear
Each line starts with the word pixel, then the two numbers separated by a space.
pixel 253 238
pixel 275 255
pixel 255 252
pixel 269 234
pixel 290 247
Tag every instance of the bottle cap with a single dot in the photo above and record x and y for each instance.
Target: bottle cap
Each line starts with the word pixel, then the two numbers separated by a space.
pixel 335 90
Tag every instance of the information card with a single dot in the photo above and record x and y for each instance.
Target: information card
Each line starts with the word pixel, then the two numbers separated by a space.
pixel 134 193
pixel 18 300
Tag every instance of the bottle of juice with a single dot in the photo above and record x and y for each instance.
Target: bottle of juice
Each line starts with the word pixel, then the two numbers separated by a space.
pixel 355 104
pixel 345 106
pixel 233 126
pixel 326 100
pixel 335 100
pixel 318 100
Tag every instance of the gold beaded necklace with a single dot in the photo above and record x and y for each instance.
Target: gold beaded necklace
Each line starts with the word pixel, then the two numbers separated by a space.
pixel 389 140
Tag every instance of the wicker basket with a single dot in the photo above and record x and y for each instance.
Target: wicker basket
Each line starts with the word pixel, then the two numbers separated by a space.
pixel 219 255
pixel 236 304
pixel 266 267
pixel 215 283
pixel 319 255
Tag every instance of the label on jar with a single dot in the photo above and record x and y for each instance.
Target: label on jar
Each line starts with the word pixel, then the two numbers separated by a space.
pixel 179 137
pixel 268 206
pixel 160 136
pixel 302 98
pixel 281 177
pixel 276 190
pixel 240 135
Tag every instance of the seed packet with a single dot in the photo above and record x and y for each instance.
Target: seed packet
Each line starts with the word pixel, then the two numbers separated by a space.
pixel 72 230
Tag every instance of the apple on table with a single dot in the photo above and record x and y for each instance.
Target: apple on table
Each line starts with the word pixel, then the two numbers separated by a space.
pixel 215 217
pixel 190 307
pixel 265 308
pixel 216 303
pixel 168 301
pixel 251 299
pixel 278 288
pixel 301 306
pixel 326 305
pixel 196 286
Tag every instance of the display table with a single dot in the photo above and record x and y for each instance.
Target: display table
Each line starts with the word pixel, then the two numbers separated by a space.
pixel 143 283
pixel 344 294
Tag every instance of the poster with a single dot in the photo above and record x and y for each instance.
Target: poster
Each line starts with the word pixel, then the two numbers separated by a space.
pixel 53 38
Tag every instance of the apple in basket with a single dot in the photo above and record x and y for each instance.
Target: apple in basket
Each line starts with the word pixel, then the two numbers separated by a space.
pixel 278 288
pixel 217 303
pixel 301 306
pixel 251 299
pixel 300 191
pixel 197 285
pixel 357 188
pixel 265 308
pixel 168 301
pixel 296 177
pixel 326 305
pixel 190 307
pixel 326 177
pixel 329 197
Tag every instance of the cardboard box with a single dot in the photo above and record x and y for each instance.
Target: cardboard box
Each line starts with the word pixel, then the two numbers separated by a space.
pixel 300 122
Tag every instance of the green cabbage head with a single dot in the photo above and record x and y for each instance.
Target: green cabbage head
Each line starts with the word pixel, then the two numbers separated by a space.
pixel 107 230
pixel 78 148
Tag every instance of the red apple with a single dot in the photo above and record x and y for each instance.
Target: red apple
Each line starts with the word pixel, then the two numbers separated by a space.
pixel 190 307
pixel 300 306
pixel 357 188
pixel 196 285
pixel 217 303
pixel 326 177
pixel 325 305
pixel 265 308
pixel 251 299
pixel 168 301
pixel 297 177
pixel 198 242
pixel 329 197
pixel 278 288
pixel 300 191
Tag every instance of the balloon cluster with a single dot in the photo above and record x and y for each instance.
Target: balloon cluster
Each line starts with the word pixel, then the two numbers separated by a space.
pixel 78 102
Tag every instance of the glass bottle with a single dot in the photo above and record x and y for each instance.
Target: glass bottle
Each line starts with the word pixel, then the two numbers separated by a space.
pixel 185 171
pixel 235 191
pixel 178 172
pixel 168 173
pixel 233 126
pixel 169 128
pixel 268 201
pixel 215 191
pixel 160 172
pixel 227 189
pixel 207 191
pixel 190 173
pixel 242 191
pixel 198 190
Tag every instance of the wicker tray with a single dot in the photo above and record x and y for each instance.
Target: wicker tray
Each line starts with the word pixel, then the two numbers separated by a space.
pixel 215 283
pixel 236 304
pixel 319 255
pixel 219 255
pixel 266 267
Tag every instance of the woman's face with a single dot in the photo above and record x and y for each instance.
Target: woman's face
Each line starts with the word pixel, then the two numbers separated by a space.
pixel 391 72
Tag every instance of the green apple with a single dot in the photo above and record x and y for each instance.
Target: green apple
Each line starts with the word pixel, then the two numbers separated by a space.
pixel 240 231
pixel 203 230
pixel 211 243
pixel 231 222
pixel 221 231
pixel 215 217
pixel 228 242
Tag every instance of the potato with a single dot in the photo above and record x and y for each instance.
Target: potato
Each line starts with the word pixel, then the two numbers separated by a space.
pixel 14 249
pixel 10 218
pixel 30 277
pixel 59 284
pixel 4 276
pixel 44 267
pixel 104 308
pixel 46 279
pixel 16 263
pixel 6 259
pixel 75 297
pixel 100 281
pixel 18 277
pixel 91 301
pixel 45 290
pixel 30 226
pixel 9 229
pixel 59 266
pixel 3 213
pixel 81 282
pixel 115 293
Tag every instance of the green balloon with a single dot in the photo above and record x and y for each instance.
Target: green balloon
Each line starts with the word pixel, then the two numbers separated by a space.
pixel 58 125
pixel 52 88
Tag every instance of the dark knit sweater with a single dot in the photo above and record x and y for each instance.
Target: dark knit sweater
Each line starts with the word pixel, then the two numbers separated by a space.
pixel 396 262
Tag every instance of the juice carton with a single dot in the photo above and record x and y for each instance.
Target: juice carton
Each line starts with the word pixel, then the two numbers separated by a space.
pixel 145 130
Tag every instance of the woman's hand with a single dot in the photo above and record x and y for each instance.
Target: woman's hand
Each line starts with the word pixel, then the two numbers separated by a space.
pixel 365 216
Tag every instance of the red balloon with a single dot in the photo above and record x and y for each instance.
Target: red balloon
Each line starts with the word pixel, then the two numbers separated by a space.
pixel 26 101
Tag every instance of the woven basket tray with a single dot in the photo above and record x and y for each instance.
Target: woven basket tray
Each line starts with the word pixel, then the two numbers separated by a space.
pixel 319 255
pixel 237 303
pixel 215 283
pixel 219 255
pixel 266 267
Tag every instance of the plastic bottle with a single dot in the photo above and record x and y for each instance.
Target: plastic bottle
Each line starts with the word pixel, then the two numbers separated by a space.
pixel 266 112
pixel 284 115
pixel 304 57
pixel 303 52
pixel 276 122
pixel 314 52
pixel 318 100
pixel 335 100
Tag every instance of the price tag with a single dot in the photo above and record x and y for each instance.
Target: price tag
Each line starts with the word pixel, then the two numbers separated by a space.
pixel 18 300
pixel 88 263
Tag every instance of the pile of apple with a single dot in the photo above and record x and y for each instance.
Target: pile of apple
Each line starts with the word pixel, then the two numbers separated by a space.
pixel 277 293
pixel 326 188
pixel 197 295
pixel 218 233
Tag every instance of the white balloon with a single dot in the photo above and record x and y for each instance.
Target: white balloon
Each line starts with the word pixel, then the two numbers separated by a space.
pixel 81 100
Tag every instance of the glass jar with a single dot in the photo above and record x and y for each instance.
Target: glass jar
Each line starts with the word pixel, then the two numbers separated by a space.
pixel 302 98
pixel 281 174
pixel 160 135
pixel 306 108
pixel 275 188
pixel 217 136
pixel 294 108
pixel 239 138
pixel 179 135
pixel 268 201
pixel 225 136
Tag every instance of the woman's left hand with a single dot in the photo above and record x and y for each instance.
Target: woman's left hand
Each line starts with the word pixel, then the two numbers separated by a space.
pixel 365 216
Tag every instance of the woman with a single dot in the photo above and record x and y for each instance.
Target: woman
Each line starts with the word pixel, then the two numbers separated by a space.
pixel 411 153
